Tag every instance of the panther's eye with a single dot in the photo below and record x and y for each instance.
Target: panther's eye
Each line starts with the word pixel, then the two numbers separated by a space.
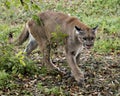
pixel 84 38
pixel 92 38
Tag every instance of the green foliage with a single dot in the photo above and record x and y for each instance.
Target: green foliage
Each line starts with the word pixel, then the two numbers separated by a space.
pixel 50 91
pixel 43 70
pixel 37 20
pixel 107 45
pixel 58 37
pixel 15 63
pixel 54 90
pixel 4 79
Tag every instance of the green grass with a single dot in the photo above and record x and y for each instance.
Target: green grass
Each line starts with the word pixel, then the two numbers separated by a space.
pixel 57 91
pixel 93 12
pixel 4 79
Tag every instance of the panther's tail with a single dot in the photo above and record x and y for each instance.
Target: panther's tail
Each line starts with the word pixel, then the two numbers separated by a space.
pixel 23 36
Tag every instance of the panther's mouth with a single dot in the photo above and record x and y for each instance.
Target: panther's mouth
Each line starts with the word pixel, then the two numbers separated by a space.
pixel 88 46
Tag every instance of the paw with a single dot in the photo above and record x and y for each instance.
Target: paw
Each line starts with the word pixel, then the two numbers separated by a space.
pixel 80 80
pixel 81 83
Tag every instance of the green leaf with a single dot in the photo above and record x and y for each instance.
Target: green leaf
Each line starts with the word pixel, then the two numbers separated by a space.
pixel 7 4
pixel 37 20
pixel 22 62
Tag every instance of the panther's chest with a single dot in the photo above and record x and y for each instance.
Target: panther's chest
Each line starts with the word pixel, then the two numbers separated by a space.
pixel 78 50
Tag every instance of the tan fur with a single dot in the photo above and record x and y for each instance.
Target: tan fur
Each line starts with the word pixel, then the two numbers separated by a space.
pixel 23 36
pixel 78 37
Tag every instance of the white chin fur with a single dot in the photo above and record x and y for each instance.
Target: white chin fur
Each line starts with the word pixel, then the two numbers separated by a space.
pixel 77 32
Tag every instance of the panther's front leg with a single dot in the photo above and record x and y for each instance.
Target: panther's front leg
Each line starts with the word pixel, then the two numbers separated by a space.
pixel 47 60
pixel 76 72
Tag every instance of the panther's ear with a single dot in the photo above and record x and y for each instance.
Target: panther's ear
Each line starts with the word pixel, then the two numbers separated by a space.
pixel 95 29
pixel 78 30
pixel 30 23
